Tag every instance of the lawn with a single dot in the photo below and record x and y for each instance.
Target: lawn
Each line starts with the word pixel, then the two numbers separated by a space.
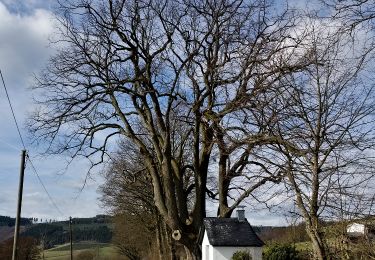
pixel 79 246
pixel 303 246
pixel 100 251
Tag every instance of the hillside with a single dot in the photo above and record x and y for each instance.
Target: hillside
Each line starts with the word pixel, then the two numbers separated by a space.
pixel 9 221
pixel 58 233
pixel 7 232
pixel 98 229
pixel 84 249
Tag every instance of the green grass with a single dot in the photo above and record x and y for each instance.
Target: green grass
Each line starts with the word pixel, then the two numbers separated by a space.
pixel 79 246
pixel 303 246
pixel 101 251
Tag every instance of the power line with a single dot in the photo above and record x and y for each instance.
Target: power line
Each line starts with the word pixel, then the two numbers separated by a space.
pixel 44 187
pixel 11 108
pixel 24 146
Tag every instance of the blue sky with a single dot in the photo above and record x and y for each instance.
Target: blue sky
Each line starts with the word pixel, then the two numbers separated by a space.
pixel 24 47
pixel 25 27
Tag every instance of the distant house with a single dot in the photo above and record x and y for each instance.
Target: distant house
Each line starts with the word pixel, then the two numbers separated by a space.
pixel 224 236
pixel 361 230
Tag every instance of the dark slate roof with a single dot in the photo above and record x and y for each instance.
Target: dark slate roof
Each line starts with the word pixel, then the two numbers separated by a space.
pixel 231 232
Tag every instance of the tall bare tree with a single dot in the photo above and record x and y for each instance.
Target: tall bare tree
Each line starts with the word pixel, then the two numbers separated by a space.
pixel 128 195
pixel 185 82
pixel 329 125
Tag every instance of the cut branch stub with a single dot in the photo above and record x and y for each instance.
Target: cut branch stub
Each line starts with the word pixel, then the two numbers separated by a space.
pixel 176 234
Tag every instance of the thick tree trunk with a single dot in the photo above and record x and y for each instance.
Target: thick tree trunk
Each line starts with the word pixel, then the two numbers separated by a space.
pixel 193 252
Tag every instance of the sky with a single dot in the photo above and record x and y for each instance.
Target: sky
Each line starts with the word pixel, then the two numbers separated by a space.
pixel 25 29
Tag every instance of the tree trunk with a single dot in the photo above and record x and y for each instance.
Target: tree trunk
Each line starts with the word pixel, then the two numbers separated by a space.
pixel 173 250
pixel 193 252
pixel 318 245
pixel 191 256
pixel 159 240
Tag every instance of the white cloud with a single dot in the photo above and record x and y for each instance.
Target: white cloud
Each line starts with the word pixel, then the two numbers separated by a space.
pixel 28 6
pixel 24 49
pixel 23 43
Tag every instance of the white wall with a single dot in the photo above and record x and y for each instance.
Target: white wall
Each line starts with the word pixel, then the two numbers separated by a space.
pixel 356 228
pixel 225 252
pixel 206 248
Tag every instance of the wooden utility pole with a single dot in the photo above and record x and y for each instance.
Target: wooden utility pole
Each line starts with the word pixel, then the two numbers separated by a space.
pixel 71 238
pixel 19 204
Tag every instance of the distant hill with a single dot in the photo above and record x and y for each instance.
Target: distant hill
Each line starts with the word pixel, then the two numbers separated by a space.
pixel 285 234
pixel 7 226
pixel 8 232
pixel 98 228
pixel 98 219
pixel 9 221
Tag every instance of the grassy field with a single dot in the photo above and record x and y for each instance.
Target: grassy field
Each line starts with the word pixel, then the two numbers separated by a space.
pixel 98 250
pixel 303 246
pixel 79 246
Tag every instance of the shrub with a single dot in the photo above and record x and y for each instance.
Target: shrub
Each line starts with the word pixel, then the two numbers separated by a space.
pixel 28 249
pixel 242 255
pixel 281 252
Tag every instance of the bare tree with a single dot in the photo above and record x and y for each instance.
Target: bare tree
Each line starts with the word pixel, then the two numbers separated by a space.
pixel 127 193
pixel 29 249
pixel 329 125
pixel 353 13
pixel 185 82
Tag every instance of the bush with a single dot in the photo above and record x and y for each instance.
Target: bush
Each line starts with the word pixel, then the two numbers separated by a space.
pixel 281 252
pixel 85 255
pixel 242 255
pixel 28 249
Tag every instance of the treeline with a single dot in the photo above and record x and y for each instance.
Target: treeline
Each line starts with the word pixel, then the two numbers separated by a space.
pixel 98 228
pixel 98 219
pixel 286 234
pixel 54 234
pixel 9 221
